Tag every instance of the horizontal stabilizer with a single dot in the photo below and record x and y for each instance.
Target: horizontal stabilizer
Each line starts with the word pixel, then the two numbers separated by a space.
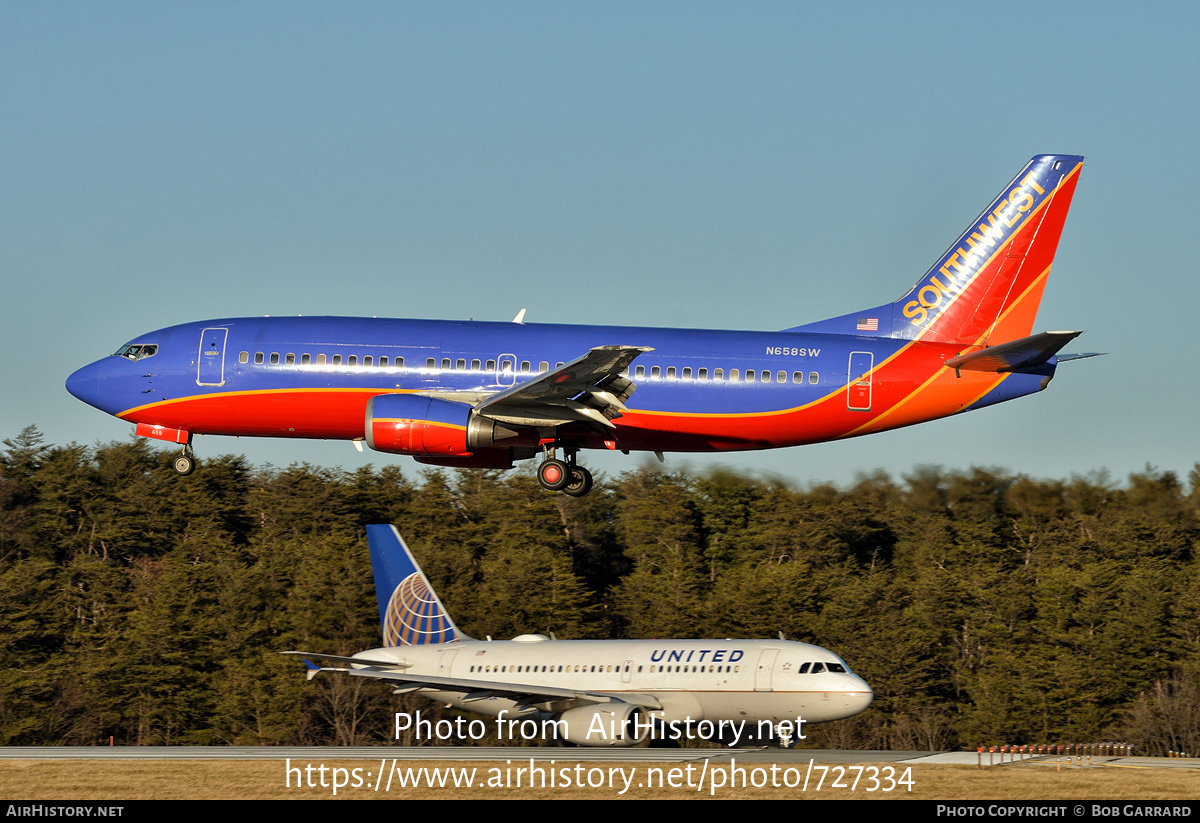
pixel 1016 354
pixel 1063 358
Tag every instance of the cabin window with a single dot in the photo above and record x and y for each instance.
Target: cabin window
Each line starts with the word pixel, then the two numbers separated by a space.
pixel 320 360
pixel 336 360
pixel 445 364
pixel 274 358
pixel 751 375
pixel 475 364
pixel 701 374
pixel 670 372
pixel 813 377
pixel 797 377
pixel 399 362
pixel 687 373
pixel 525 366
pixel 543 367
pixel 460 365
pixel 491 365
pixel 305 359
pixel 733 375
pixel 559 364
pixel 781 377
pixel 244 357
pixel 655 371
pixel 383 362
pixel 289 359
pixel 367 360
pixel 352 360
pixel 639 372
pixel 258 357
pixel 718 374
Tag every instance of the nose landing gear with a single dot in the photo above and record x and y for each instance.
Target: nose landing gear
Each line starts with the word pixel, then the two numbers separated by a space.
pixel 185 463
pixel 564 476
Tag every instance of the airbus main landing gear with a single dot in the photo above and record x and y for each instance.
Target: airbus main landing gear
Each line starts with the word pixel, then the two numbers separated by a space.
pixel 564 476
pixel 185 463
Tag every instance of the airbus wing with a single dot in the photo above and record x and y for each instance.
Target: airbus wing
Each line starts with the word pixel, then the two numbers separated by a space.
pixel 525 695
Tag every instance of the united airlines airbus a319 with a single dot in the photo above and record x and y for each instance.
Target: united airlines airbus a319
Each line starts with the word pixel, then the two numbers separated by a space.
pixel 596 692
pixel 477 394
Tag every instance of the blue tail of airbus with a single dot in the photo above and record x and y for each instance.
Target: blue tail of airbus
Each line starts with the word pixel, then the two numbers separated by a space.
pixel 410 612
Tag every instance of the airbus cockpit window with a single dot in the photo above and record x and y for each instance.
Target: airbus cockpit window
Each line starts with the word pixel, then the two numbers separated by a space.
pixel 139 352
pixel 836 667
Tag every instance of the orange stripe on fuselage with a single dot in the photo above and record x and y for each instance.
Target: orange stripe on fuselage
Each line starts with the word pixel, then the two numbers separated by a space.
pixel 317 413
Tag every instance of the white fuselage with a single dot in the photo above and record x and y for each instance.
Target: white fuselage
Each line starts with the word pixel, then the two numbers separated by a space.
pixel 711 680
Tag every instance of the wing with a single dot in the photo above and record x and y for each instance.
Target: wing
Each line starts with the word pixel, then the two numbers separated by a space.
pixel 590 389
pixel 525 695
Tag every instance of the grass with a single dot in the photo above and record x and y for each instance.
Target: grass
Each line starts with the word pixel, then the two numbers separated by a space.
pixel 265 780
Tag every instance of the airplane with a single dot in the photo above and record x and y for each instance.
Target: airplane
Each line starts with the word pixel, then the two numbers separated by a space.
pixel 614 693
pixel 486 394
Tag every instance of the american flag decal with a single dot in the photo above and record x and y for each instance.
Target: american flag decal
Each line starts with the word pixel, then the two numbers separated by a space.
pixel 867 324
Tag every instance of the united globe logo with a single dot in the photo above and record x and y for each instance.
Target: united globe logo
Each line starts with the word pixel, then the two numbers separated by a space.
pixel 414 616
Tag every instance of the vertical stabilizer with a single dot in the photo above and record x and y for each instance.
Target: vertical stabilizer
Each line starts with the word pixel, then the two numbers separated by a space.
pixel 409 610
pixel 986 288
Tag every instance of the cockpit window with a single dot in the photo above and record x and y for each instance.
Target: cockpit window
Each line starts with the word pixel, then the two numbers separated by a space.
pixel 817 668
pixel 836 667
pixel 137 352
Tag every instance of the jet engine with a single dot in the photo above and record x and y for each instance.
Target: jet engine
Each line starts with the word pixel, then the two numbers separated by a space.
pixel 606 724
pixel 419 425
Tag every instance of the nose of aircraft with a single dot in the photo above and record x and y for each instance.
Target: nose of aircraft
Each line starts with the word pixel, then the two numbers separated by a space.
pixel 859 697
pixel 85 384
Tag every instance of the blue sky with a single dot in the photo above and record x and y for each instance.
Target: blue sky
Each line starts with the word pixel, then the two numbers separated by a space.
pixel 691 164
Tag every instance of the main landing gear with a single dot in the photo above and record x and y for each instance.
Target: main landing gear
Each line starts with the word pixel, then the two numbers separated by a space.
pixel 185 463
pixel 564 476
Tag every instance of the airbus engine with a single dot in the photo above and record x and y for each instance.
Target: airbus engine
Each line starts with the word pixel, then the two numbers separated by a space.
pixel 418 425
pixel 608 724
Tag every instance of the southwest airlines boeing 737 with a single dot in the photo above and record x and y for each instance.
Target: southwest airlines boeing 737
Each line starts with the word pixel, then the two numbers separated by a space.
pixel 476 394
pixel 596 692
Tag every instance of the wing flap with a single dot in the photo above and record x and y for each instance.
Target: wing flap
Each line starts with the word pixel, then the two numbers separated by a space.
pixel 589 389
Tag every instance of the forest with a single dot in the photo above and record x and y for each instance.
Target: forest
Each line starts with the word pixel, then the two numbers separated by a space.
pixel 142 608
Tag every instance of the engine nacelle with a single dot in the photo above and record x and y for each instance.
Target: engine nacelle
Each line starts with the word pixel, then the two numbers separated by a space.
pixel 414 424
pixel 606 724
